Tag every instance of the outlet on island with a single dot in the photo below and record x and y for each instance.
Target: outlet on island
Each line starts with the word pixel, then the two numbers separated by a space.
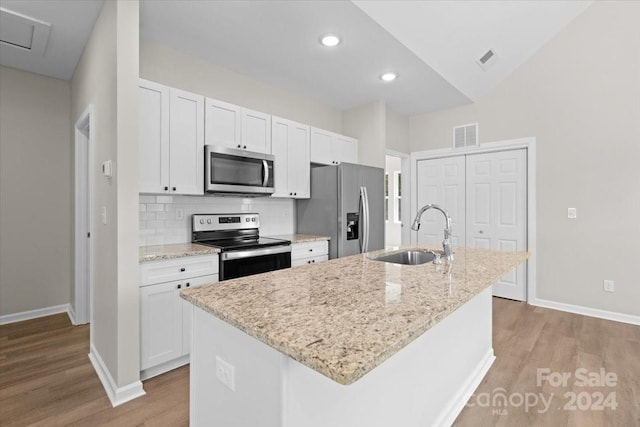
pixel 225 373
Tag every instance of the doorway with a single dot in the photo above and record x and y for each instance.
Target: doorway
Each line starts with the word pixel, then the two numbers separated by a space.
pixel 82 303
pixel 396 208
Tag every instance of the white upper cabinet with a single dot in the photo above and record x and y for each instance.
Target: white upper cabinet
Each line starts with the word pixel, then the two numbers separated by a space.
pixel 345 149
pixel 330 148
pixel 231 126
pixel 222 123
pixel 186 143
pixel 171 140
pixel 291 148
pixel 153 141
pixel 256 131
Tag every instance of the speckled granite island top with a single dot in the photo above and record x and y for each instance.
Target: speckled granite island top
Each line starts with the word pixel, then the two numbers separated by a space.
pixel 301 238
pixel 344 317
pixel 179 250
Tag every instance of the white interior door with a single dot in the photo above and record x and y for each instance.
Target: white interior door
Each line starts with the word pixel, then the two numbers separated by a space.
pixel 496 200
pixel 441 181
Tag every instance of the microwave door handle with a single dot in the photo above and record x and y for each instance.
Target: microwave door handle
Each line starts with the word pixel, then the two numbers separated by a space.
pixel 265 173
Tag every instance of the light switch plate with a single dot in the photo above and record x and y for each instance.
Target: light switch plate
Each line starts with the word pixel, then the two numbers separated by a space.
pixel 572 213
pixel 608 286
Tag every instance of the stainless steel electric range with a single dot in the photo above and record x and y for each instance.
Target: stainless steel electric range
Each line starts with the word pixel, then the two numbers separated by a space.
pixel 242 251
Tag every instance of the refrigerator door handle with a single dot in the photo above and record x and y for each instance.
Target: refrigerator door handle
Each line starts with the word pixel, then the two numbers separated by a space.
pixel 366 225
pixel 360 217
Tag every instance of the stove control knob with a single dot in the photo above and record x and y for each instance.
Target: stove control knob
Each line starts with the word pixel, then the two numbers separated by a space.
pixel 209 221
pixel 202 221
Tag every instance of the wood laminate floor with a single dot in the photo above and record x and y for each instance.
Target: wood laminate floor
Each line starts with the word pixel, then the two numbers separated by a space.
pixel 46 378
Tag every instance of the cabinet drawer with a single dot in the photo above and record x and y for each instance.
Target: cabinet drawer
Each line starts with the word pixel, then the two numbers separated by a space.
pixel 177 269
pixel 311 260
pixel 309 249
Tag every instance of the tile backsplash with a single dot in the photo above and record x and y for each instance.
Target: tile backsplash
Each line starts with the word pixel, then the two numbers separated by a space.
pixel 167 219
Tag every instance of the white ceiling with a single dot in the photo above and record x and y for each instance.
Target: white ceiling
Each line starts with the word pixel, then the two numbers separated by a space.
pixel 451 35
pixel 277 42
pixel 71 24
pixel 432 45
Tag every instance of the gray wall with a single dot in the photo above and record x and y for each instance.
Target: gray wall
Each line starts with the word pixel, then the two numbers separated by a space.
pixel 367 123
pixel 580 97
pixel 165 65
pixel 107 78
pixel 35 243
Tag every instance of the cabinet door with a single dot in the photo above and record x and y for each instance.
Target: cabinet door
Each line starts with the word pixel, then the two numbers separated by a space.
pixel 310 260
pixel 321 146
pixel 160 324
pixel 280 149
pixel 153 141
pixel 186 150
pixel 299 161
pixel 222 123
pixel 345 149
pixel 256 131
pixel 187 310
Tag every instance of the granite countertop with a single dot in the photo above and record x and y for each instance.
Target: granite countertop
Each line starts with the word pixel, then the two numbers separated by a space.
pixel 178 250
pixel 301 238
pixel 346 316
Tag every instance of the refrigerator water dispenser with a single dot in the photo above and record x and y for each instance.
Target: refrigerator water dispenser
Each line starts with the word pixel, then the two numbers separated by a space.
pixel 353 225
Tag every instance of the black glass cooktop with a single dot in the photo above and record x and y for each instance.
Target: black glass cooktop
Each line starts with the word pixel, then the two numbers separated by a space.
pixel 237 244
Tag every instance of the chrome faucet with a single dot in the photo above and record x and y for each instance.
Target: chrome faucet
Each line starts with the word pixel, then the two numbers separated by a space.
pixel 446 243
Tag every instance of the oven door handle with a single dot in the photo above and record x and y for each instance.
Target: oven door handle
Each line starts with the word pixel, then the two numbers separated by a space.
pixel 231 255
pixel 265 173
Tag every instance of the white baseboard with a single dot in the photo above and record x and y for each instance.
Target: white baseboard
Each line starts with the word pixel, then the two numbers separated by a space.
pixel 34 314
pixel 587 311
pixel 457 403
pixel 72 315
pixel 117 395
pixel 165 367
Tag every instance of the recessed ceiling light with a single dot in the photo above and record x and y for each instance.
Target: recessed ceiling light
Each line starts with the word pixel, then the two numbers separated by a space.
pixel 388 77
pixel 330 40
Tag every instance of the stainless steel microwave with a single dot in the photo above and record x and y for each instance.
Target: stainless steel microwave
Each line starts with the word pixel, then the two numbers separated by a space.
pixel 237 172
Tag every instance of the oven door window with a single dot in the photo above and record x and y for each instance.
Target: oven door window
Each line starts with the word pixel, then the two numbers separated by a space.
pixel 231 269
pixel 236 170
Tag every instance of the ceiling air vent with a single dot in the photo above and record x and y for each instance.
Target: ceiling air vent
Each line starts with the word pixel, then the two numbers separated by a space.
pixel 488 59
pixel 23 32
pixel 465 136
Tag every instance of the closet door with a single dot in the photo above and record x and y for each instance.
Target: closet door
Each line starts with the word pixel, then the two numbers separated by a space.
pixel 496 211
pixel 441 181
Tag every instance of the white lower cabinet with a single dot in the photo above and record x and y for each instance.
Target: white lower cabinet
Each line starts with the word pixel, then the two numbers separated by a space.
pixel 309 253
pixel 165 320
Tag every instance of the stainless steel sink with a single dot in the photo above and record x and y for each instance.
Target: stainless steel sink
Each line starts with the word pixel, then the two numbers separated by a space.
pixel 408 257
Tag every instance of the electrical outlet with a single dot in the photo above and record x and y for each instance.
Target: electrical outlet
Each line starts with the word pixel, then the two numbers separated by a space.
pixel 103 214
pixel 572 213
pixel 608 286
pixel 225 373
pixel 179 213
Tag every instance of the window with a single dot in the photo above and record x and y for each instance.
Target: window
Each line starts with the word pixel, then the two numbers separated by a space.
pixel 386 197
pixel 397 209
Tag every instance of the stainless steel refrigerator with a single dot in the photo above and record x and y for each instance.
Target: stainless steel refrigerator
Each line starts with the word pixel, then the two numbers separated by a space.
pixel 346 204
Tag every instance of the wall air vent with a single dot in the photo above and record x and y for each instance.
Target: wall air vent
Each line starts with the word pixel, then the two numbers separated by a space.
pixel 488 59
pixel 23 32
pixel 465 136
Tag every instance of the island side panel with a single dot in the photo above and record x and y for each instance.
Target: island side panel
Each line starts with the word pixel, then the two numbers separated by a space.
pixel 257 396
pixel 427 383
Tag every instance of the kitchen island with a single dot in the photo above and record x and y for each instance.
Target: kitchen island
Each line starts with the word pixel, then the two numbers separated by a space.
pixel 349 342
